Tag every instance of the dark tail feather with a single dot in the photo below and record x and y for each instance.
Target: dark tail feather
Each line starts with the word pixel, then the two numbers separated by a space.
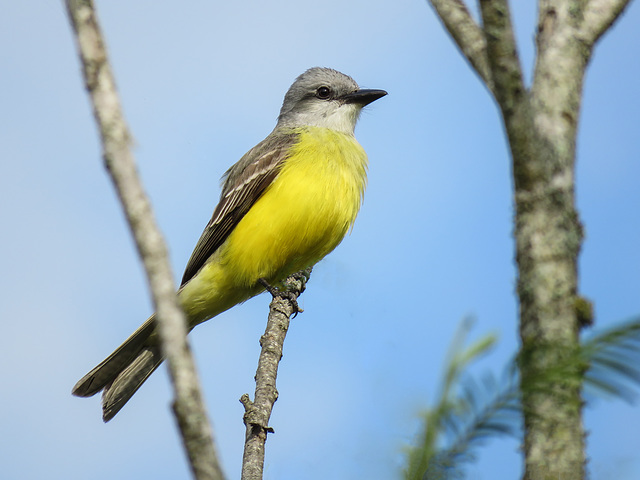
pixel 122 372
pixel 122 388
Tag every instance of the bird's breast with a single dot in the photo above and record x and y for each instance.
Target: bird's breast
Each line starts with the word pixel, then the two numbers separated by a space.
pixel 306 211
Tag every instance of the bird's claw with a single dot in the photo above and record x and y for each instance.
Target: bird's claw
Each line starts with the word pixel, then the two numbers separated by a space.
pixel 282 293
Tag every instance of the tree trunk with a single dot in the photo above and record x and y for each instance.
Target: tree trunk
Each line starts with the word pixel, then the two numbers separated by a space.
pixel 541 123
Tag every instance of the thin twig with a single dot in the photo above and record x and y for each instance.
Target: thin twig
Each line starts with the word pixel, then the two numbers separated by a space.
pixel 258 412
pixel 116 141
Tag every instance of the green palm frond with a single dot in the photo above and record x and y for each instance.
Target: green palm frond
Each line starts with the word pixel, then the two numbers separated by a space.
pixel 469 412
pixel 607 363
pixel 426 460
pixel 489 409
pixel 613 357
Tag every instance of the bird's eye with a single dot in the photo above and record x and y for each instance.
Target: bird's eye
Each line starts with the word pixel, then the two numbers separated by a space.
pixel 323 93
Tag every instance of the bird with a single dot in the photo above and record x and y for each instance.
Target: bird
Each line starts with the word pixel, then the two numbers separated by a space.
pixel 286 204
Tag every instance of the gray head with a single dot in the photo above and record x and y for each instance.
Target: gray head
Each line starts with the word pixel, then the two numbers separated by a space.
pixel 323 97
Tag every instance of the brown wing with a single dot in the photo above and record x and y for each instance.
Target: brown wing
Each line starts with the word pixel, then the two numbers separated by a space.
pixel 243 184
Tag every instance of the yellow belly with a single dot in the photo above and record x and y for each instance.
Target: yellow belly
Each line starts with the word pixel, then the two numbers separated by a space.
pixel 301 217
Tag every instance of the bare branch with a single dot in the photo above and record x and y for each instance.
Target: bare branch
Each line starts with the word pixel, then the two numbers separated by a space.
pixel 598 16
pixel 467 35
pixel 258 412
pixel 116 141
pixel 502 54
pixel 509 90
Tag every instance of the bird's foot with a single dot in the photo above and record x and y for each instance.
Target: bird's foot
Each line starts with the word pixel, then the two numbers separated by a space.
pixel 282 293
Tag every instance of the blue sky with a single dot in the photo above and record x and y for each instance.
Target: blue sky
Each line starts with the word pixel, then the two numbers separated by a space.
pixel 201 84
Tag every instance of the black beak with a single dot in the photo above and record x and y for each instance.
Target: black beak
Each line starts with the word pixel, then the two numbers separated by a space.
pixel 364 96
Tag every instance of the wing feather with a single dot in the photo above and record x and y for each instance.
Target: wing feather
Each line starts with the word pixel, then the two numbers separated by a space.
pixel 243 184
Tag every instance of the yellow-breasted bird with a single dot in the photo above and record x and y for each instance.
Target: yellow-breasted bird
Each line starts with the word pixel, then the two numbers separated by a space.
pixel 286 204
